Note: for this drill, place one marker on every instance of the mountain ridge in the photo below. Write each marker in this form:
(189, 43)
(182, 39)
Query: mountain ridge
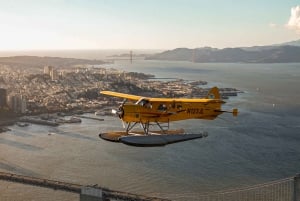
(36, 61)
(256, 54)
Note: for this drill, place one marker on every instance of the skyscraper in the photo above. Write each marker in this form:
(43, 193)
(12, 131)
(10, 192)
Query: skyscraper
(48, 69)
(3, 95)
(17, 103)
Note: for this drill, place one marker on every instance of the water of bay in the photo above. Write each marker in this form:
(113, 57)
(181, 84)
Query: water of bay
(260, 145)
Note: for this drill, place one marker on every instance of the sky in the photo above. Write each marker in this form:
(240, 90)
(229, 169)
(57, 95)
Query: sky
(146, 24)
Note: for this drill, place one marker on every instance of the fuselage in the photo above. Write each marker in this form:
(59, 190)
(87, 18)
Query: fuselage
(175, 110)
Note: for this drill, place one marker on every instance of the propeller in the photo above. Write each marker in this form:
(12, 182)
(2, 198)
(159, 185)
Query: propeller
(120, 112)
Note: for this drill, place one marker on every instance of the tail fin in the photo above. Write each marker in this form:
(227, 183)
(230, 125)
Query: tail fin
(213, 93)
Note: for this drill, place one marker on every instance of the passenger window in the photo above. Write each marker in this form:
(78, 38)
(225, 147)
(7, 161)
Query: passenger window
(179, 107)
(162, 107)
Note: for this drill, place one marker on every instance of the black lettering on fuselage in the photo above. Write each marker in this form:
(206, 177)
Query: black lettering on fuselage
(194, 111)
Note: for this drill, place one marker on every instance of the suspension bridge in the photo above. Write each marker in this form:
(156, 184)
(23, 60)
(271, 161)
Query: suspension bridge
(287, 189)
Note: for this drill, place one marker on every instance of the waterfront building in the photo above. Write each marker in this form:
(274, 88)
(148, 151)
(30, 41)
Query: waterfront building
(17, 103)
(3, 95)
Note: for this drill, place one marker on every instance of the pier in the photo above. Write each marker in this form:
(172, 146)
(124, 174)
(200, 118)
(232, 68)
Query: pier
(38, 121)
(93, 118)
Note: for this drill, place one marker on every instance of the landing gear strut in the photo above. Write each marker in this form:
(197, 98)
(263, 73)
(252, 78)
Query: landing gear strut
(145, 126)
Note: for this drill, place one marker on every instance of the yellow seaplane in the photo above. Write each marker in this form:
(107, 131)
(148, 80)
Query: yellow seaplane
(149, 112)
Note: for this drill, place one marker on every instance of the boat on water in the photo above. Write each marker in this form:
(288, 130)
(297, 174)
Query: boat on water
(74, 120)
(71, 120)
(100, 113)
(22, 124)
(4, 129)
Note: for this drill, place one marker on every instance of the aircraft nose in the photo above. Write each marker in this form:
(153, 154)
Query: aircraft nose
(119, 112)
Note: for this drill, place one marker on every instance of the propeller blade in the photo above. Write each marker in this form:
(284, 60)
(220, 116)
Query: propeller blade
(124, 101)
(123, 123)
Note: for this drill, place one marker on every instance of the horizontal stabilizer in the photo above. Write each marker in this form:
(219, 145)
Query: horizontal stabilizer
(234, 111)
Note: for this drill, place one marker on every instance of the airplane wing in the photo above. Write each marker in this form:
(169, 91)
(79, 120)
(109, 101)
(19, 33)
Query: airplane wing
(185, 100)
(163, 100)
(213, 95)
(170, 100)
(122, 95)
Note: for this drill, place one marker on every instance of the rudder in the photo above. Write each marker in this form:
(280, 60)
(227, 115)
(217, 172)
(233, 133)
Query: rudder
(213, 93)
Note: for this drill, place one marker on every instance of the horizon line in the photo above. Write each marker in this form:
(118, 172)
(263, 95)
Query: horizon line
(132, 49)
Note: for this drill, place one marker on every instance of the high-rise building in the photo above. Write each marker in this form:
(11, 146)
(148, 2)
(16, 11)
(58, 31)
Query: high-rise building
(54, 74)
(17, 103)
(3, 96)
(48, 69)
(61, 74)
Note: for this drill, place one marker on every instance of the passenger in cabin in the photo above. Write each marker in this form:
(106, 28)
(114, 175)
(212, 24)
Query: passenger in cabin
(162, 108)
(146, 103)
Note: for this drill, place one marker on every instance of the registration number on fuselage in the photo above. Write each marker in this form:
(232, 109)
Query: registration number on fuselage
(194, 111)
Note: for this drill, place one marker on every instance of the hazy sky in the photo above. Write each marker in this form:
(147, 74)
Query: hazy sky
(146, 24)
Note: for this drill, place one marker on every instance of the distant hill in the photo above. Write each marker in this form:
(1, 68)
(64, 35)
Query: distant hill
(291, 43)
(259, 54)
(34, 61)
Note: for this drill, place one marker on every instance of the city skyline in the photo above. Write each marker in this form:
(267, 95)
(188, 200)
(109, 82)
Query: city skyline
(116, 24)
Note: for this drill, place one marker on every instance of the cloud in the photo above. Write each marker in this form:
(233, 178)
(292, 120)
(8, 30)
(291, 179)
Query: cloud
(294, 21)
(273, 25)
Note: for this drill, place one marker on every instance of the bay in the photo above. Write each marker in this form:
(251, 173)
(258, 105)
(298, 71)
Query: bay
(260, 145)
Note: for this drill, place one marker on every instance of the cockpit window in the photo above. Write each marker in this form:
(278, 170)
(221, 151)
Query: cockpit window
(144, 102)
(211, 96)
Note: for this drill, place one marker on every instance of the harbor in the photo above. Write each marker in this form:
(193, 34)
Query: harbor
(53, 120)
